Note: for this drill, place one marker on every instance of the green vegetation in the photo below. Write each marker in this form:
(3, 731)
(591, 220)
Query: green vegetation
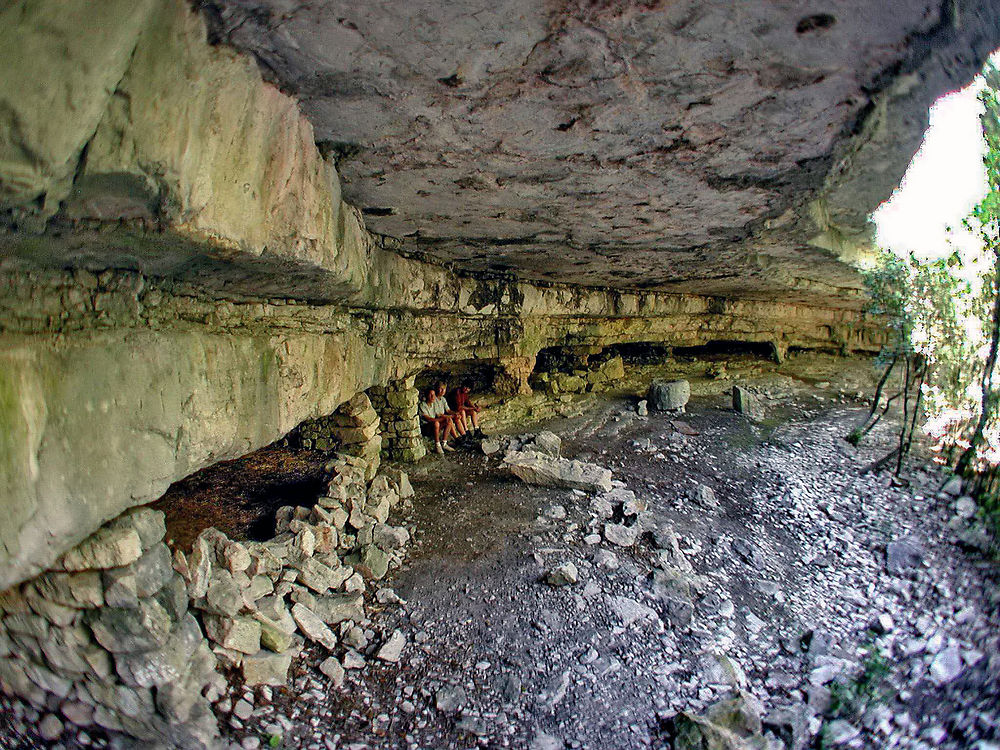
(850, 700)
(941, 353)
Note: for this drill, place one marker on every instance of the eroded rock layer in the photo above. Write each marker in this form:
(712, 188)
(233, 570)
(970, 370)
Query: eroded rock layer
(687, 145)
(181, 281)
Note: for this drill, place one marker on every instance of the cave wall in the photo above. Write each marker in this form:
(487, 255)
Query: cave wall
(181, 282)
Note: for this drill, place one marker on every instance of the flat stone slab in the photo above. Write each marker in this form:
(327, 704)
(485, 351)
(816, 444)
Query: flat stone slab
(546, 471)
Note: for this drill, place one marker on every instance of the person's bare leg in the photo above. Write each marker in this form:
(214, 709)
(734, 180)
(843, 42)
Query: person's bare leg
(437, 436)
(449, 431)
(474, 416)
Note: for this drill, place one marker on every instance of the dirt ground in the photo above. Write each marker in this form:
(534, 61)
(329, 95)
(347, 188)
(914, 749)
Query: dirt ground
(789, 582)
(495, 657)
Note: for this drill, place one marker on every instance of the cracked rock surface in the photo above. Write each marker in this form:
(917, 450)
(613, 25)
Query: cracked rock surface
(779, 595)
(672, 144)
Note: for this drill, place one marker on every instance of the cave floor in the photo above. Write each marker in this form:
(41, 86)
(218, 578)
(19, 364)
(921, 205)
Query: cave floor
(495, 657)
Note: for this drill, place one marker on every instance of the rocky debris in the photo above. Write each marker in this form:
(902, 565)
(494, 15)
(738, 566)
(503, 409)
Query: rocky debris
(253, 607)
(642, 408)
(902, 556)
(731, 724)
(564, 574)
(392, 649)
(107, 635)
(536, 468)
(669, 395)
(747, 404)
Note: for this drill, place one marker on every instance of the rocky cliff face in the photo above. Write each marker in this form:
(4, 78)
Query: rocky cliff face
(182, 280)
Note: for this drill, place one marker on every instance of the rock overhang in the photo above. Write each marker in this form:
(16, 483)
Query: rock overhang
(731, 150)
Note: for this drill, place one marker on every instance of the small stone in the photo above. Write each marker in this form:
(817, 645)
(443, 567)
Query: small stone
(902, 556)
(840, 732)
(946, 666)
(642, 408)
(563, 575)
(621, 535)
(953, 487)
(388, 596)
(235, 557)
(266, 668)
(243, 710)
(333, 669)
(392, 648)
(965, 507)
(354, 660)
(705, 496)
(450, 698)
(50, 728)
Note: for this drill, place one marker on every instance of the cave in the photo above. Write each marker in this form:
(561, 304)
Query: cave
(240, 237)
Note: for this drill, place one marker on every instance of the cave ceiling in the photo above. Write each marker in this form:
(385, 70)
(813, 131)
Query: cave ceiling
(727, 148)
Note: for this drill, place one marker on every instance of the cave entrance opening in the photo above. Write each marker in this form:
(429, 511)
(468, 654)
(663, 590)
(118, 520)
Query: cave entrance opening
(241, 496)
(726, 349)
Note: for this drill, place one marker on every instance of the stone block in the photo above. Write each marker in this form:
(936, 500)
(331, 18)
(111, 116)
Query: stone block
(273, 635)
(668, 395)
(120, 587)
(534, 468)
(390, 537)
(163, 665)
(339, 608)
(82, 590)
(312, 627)
(374, 562)
(747, 404)
(153, 570)
(143, 628)
(149, 524)
(237, 633)
(266, 668)
(223, 596)
(110, 547)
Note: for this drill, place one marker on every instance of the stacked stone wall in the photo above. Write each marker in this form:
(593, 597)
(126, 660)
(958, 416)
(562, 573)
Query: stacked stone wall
(106, 640)
(124, 638)
(397, 404)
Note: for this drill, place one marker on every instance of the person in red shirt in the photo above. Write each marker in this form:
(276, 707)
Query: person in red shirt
(459, 402)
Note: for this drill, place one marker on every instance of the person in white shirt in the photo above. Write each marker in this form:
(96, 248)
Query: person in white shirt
(440, 424)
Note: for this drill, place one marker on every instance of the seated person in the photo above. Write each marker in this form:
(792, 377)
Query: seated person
(457, 417)
(440, 425)
(459, 401)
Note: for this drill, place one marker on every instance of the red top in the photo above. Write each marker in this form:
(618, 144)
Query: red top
(458, 399)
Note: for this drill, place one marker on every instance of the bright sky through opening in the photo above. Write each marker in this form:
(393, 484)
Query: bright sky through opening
(945, 179)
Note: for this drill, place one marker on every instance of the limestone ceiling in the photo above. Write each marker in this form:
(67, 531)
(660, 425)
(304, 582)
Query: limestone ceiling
(720, 147)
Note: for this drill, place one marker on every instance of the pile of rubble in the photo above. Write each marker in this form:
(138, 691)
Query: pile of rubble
(122, 638)
(106, 640)
(260, 602)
